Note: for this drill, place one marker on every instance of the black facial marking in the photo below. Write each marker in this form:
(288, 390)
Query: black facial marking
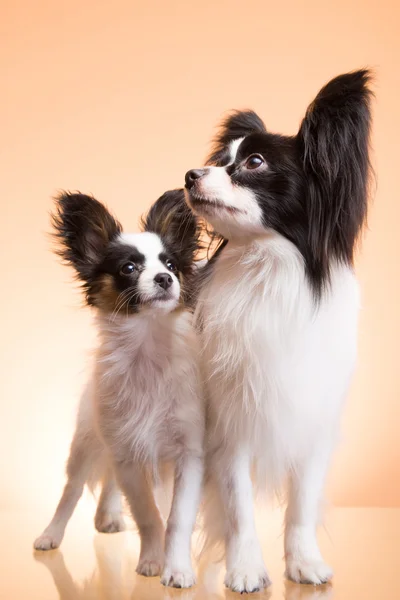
(313, 187)
(170, 261)
(117, 255)
(179, 230)
(110, 269)
(237, 125)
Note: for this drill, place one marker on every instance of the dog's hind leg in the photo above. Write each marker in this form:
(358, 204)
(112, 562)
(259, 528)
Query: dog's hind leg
(79, 467)
(109, 517)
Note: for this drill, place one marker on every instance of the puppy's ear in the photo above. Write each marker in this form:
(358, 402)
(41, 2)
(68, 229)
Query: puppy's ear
(83, 228)
(333, 143)
(171, 219)
(236, 125)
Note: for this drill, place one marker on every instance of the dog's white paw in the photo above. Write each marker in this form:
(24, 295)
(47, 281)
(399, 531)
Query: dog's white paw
(246, 579)
(47, 541)
(148, 567)
(109, 522)
(178, 578)
(315, 572)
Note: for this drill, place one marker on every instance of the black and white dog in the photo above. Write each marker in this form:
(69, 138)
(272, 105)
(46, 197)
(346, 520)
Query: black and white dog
(143, 407)
(278, 312)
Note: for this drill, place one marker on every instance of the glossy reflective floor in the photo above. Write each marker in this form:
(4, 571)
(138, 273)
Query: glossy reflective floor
(362, 545)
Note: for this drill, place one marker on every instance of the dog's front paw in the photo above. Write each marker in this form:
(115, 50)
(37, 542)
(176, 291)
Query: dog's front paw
(47, 541)
(247, 579)
(109, 522)
(148, 567)
(151, 559)
(178, 577)
(315, 572)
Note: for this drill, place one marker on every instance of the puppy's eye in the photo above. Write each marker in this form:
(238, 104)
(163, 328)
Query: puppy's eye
(254, 162)
(127, 269)
(171, 266)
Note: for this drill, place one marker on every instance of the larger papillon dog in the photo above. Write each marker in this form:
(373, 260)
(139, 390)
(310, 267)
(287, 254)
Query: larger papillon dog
(278, 313)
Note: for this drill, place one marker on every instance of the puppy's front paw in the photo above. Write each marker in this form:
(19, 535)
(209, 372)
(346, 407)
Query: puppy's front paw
(148, 567)
(315, 572)
(178, 578)
(109, 522)
(47, 541)
(247, 579)
(151, 559)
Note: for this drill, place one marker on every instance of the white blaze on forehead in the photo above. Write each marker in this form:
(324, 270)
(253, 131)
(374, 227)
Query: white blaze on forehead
(148, 244)
(233, 148)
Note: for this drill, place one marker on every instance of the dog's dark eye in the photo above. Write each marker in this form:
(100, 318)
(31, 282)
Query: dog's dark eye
(171, 265)
(254, 162)
(127, 269)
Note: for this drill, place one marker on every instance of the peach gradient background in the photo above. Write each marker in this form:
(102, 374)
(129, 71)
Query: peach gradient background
(120, 99)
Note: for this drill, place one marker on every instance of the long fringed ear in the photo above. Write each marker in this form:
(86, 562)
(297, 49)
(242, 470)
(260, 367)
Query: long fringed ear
(236, 125)
(333, 142)
(83, 228)
(171, 218)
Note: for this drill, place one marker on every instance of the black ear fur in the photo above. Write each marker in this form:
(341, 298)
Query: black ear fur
(84, 228)
(171, 218)
(237, 124)
(333, 141)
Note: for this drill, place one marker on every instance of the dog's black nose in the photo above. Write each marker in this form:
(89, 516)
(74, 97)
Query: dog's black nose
(192, 176)
(163, 280)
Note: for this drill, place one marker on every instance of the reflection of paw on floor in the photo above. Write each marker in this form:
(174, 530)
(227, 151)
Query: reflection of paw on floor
(66, 586)
(295, 591)
(114, 578)
(106, 577)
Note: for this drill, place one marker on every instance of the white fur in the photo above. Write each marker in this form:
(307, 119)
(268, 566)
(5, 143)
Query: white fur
(277, 368)
(142, 411)
(233, 148)
(150, 245)
(216, 186)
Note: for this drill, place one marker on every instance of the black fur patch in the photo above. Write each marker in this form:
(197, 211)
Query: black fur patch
(171, 219)
(315, 189)
(236, 125)
(84, 229)
(333, 145)
(87, 236)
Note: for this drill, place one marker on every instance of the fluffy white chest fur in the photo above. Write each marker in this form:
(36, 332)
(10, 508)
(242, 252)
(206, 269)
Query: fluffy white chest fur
(147, 387)
(277, 365)
(141, 414)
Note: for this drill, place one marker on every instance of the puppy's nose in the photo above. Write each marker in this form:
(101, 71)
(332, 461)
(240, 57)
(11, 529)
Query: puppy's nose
(192, 176)
(164, 280)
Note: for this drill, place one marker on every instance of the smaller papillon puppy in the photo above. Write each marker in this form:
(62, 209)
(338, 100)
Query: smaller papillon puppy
(142, 410)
